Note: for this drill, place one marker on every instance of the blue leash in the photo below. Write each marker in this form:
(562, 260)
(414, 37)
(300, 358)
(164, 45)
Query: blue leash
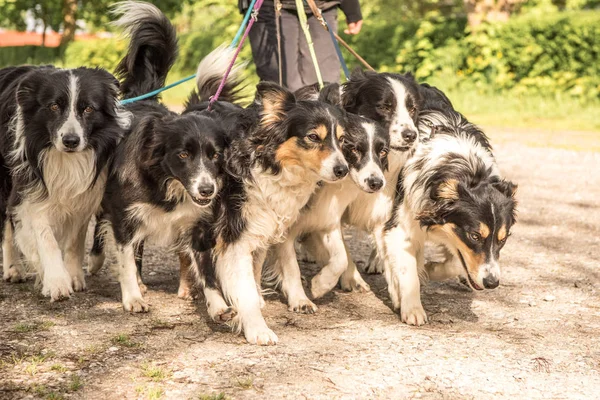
(337, 50)
(234, 43)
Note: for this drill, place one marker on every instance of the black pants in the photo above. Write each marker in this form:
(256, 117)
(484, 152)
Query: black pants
(298, 68)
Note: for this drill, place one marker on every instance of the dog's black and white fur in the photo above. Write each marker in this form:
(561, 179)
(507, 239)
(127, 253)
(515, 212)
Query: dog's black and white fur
(58, 129)
(168, 171)
(393, 101)
(366, 147)
(450, 193)
(286, 148)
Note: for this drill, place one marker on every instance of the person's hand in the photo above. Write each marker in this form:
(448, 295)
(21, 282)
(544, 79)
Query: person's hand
(353, 28)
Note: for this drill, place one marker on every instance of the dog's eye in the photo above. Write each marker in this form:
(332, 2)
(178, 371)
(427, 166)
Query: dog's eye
(342, 139)
(475, 236)
(314, 137)
(355, 151)
(183, 155)
(412, 111)
(54, 107)
(385, 107)
(216, 156)
(383, 153)
(88, 110)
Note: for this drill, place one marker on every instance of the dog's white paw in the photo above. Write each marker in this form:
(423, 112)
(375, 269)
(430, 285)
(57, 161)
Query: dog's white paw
(302, 305)
(58, 287)
(223, 314)
(412, 313)
(135, 304)
(354, 283)
(13, 274)
(260, 335)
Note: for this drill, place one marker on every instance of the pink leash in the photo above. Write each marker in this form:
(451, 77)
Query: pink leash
(253, 19)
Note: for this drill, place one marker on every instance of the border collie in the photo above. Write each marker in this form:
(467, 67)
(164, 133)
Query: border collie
(450, 193)
(58, 129)
(286, 147)
(437, 114)
(168, 172)
(393, 101)
(366, 148)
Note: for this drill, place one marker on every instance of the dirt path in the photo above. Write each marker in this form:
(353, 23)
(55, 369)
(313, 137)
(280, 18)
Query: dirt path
(536, 336)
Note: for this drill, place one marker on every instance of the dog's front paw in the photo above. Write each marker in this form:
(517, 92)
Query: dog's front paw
(260, 335)
(223, 315)
(58, 288)
(302, 305)
(135, 304)
(13, 274)
(412, 313)
(184, 292)
(354, 283)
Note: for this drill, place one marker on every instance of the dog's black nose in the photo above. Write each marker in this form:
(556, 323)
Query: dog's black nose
(71, 141)
(409, 135)
(206, 190)
(490, 282)
(375, 183)
(340, 171)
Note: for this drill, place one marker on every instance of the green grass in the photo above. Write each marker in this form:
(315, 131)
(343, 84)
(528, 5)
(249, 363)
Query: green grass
(58, 368)
(124, 340)
(220, 396)
(75, 384)
(543, 113)
(35, 326)
(155, 393)
(245, 383)
(154, 372)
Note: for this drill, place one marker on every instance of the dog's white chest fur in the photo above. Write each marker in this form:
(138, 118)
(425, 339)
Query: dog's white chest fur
(327, 206)
(273, 204)
(371, 209)
(70, 198)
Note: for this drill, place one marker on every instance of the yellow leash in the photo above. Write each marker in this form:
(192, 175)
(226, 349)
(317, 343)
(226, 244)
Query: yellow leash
(311, 46)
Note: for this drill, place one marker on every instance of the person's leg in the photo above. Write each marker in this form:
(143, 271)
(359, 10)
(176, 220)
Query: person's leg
(263, 41)
(291, 35)
(329, 64)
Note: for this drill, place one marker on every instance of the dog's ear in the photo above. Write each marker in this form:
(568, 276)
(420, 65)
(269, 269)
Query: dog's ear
(151, 152)
(506, 187)
(274, 100)
(28, 89)
(331, 94)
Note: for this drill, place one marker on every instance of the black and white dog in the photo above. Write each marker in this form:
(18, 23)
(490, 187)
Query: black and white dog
(449, 193)
(366, 148)
(394, 102)
(168, 171)
(58, 129)
(284, 147)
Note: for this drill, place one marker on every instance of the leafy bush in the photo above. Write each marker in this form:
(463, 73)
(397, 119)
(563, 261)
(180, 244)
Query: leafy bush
(547, 54)
(27, 55)
(105, 53)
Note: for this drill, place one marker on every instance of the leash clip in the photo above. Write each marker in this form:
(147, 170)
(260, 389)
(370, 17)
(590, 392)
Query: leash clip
(254, 15)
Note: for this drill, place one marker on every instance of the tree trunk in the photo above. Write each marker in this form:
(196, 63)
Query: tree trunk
(69, 22)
